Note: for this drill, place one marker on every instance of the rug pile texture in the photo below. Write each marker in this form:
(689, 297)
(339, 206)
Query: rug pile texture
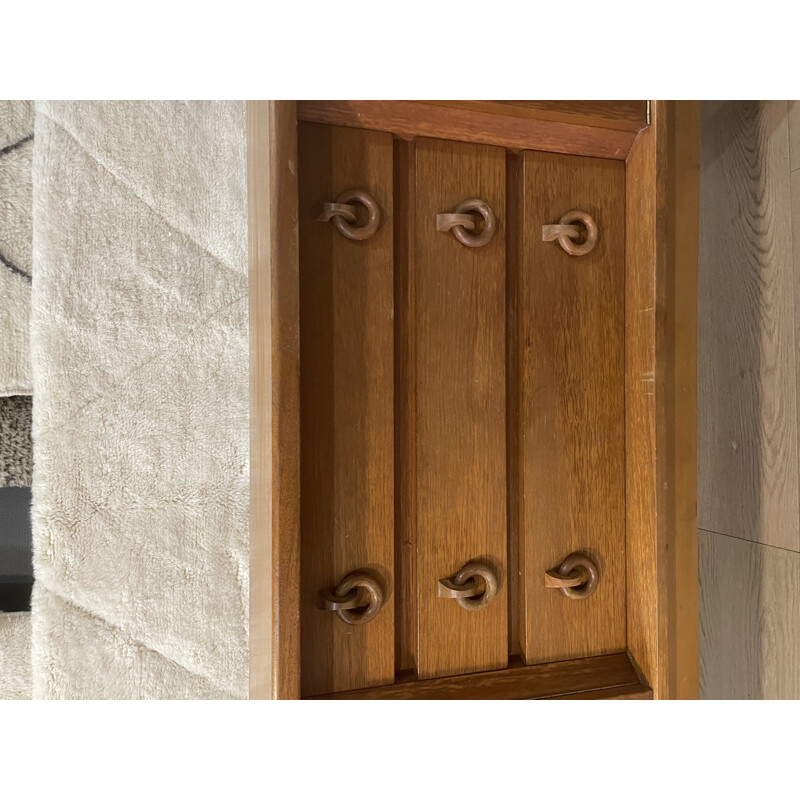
(139, 344)
(16, 154)
(16, 151)
(15, 656)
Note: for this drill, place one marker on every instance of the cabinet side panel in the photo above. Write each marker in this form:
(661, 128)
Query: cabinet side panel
(644, 624)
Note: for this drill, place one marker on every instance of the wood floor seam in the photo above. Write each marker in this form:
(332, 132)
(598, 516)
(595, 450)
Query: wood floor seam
(749, 541)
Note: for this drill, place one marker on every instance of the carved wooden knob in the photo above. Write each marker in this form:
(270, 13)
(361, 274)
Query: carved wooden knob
(461, 220)
(577, 577)
(564, 233)
(346, 598)
(345, 216)
(465, 587)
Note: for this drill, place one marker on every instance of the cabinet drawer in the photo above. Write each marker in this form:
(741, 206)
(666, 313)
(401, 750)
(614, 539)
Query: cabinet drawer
(476, 399)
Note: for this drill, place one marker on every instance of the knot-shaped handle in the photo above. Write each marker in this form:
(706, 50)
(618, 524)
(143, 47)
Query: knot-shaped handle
(466, 590)
(564, 233)
(577, 577)
(346, 598)
(345, 216)
(462, 220)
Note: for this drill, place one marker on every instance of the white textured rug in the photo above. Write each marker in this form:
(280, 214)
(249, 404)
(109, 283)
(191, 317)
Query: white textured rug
(15, 656)
(140, 427)
(16, 149)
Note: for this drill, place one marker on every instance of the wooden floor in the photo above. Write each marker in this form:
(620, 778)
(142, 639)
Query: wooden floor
(748, 474)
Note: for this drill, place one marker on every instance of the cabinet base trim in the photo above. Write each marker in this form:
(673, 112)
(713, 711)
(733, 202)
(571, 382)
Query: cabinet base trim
(601, 677)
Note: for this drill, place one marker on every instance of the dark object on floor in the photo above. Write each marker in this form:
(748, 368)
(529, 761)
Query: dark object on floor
(16, 554)
(15, 532)
(16, 447)
(15, 594)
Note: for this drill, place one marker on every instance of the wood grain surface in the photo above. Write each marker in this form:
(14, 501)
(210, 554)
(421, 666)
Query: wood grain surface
(749, 620)
(621, 115)
(406, 607)
(749, 608)
(285, 312)
(571, 407)
(646, 225)
(455, 410)
(459, 418)
(636, 691)
(516, 622)
(347, 400)
(258, 191)
(679, 415)
(516, 128)
(747, 425)
(601, 677)
(794, 134)
(660, 399)
(274, 400)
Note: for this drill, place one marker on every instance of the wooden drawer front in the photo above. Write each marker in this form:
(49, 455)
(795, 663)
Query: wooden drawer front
(459, 421)
(571, 407)
(434, 404)
(347, 397)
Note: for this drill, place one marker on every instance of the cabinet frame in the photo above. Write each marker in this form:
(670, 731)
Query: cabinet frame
(662, 215)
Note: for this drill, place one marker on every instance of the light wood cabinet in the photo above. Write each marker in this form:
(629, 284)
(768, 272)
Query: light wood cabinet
(447, 403)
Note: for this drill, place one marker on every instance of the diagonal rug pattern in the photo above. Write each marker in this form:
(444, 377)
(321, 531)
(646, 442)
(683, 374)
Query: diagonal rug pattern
(16, 151)
(139, 344)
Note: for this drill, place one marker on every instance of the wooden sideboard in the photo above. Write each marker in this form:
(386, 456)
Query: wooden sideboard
(457, 387)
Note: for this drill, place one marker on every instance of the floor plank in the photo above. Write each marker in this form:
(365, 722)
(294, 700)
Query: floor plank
(747, 424)
(794, 134)
(749, 620)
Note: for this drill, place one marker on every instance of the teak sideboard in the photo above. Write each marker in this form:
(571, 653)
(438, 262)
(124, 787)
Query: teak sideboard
(473, 399)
